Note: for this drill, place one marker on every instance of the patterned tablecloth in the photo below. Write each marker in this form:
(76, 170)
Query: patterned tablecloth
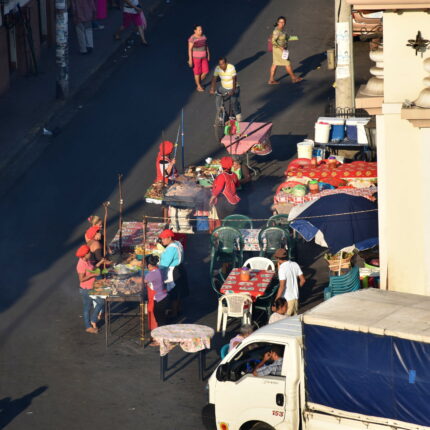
(256, 286)
(190, 337)
(132, 233)
(258, 142)
(283, 197)
(250, 239)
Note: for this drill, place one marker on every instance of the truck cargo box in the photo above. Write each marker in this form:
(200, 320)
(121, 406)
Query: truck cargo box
(367, 353)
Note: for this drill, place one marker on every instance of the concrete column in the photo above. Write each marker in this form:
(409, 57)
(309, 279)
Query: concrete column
(425, 147)
(345, 91)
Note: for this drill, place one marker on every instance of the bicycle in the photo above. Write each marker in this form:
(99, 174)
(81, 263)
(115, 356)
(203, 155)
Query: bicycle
(222, 115)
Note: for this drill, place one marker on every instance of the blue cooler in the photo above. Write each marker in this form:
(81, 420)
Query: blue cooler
(337, 132)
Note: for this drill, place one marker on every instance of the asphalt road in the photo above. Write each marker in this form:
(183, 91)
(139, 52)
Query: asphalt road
(55, 376)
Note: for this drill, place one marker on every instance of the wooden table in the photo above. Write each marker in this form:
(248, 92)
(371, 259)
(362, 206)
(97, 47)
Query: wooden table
(191, 338)
(116, 292)
(256, 286)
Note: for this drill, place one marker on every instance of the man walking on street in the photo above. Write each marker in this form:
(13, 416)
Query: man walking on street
(289, 272)
(84, 12)
(229, 86)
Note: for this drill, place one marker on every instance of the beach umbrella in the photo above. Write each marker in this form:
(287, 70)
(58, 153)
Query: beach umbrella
(338, 221)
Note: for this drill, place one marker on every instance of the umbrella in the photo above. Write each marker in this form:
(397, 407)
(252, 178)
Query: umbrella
(339, 221)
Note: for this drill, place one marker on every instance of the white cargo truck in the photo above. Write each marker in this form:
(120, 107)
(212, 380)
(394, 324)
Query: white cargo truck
(357, 361)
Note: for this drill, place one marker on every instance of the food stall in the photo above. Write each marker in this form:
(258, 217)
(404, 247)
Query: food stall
(307, 180)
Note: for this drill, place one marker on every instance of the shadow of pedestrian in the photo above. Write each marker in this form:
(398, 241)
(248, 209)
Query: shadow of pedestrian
(243, 64)
(10, 409)
(310, 63)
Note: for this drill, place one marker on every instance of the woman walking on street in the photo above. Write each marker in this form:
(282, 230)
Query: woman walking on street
(198, 56)
(132, 14)
(280, 52)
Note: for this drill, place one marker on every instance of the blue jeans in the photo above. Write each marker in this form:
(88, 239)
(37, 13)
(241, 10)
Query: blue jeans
(87, 301)
(235, 100)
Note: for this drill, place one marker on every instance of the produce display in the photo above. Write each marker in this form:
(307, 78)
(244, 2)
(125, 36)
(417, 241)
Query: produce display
(262, 148)
(155, 193)
(117, 287)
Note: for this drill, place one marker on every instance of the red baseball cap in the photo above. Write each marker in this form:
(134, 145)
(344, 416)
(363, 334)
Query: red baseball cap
(82, 251)
(166, 233)
(226, 162)
(92, 231)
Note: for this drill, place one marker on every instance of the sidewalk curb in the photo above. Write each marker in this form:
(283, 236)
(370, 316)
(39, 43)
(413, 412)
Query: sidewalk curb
(62, 111)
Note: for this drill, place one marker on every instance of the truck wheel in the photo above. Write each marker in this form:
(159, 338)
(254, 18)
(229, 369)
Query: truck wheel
(262, 426)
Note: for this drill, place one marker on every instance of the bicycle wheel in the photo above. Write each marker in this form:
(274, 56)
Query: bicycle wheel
(219, 124)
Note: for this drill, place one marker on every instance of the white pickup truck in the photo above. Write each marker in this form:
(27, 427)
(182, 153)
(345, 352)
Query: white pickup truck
(357, 361)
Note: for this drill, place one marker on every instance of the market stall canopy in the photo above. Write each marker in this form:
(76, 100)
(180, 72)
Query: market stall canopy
(338, 221)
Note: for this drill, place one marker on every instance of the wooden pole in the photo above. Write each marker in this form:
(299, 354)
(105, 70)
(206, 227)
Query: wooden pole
(182, 141)
(105, 204)
(121, 203)
(143, 304)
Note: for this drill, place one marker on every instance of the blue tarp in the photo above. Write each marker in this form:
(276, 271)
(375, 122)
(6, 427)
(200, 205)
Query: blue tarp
(367, 374)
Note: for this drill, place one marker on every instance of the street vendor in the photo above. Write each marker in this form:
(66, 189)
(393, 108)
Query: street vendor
(164, 165)
(94, 238)
(158, 300)
(241, 170)
(94, 220)
(87, 277)
(224, 195)
(171, 261)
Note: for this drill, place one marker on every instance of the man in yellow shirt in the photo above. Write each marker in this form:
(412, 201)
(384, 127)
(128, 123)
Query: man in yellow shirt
(229, 86)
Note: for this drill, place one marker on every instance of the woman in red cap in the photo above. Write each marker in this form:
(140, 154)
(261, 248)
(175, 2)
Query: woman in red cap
(86, 281)
(224, 195)
(164, 166)
(171, 261)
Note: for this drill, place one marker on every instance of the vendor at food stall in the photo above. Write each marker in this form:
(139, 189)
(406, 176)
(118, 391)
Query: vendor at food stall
(94, 220)
(158, 299)
(224, 195)
(171, 261)
(164, 165)
(241, 170)
(94, 238)
(87, 277)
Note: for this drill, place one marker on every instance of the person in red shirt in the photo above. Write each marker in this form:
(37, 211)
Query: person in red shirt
(86, 281)
(224, 195)
(164, 166)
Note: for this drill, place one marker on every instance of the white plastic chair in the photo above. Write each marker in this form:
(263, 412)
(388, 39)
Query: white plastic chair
(234, 306)
(259, 263)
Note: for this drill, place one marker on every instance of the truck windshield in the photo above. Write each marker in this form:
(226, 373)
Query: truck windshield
(247, 359)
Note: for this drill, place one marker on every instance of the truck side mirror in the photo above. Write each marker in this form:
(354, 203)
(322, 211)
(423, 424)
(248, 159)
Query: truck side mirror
(222, 372)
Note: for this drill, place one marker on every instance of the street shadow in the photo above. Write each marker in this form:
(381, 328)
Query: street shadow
(10, 409)
(310, 63)
(243, 64)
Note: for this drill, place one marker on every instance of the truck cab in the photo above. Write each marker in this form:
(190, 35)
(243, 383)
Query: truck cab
(244, 401)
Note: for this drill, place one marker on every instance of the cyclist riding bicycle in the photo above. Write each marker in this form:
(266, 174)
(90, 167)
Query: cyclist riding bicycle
(228, 86)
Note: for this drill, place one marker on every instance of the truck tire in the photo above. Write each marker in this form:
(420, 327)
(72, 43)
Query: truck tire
(262, 426)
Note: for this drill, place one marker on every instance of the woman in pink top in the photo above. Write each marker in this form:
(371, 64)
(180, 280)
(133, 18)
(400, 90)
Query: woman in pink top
(198, 56)
(86, 282)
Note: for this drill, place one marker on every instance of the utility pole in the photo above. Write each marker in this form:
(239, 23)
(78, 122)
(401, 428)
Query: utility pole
(62, 48)
(345, 91)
